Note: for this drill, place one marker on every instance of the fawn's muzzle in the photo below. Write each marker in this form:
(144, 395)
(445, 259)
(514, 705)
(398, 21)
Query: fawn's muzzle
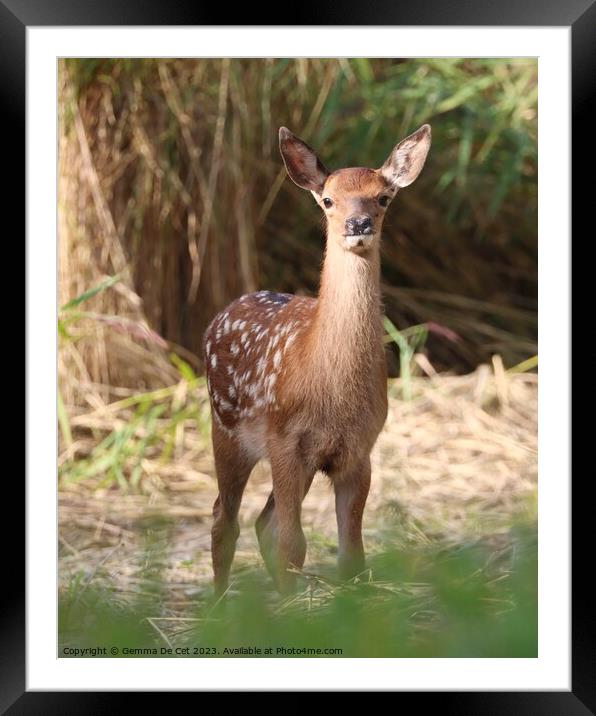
(359, 225)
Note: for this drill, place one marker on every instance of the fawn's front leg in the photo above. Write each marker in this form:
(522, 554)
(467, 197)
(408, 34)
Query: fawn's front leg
(266, 528)
(291, 480)
(351, 491)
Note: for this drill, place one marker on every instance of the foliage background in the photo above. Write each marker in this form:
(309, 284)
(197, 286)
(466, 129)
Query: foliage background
(170, 176)
(173, 200)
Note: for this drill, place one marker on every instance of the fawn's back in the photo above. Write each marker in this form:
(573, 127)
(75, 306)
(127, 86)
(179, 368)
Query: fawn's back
(244, 349)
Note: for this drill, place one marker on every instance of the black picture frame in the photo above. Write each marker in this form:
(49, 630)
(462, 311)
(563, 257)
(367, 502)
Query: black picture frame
(580, 16)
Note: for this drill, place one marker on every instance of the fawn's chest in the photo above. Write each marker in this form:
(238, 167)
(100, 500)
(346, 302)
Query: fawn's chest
(270, 374)
(333, 422)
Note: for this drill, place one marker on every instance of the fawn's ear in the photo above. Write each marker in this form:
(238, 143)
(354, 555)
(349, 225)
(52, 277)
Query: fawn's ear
(302, 163)
(405, 162)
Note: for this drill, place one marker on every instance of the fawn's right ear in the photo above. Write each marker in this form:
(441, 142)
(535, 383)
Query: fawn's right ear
(302, 163)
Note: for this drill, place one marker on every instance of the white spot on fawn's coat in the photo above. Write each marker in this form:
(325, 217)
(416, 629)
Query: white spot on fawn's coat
(290, 340)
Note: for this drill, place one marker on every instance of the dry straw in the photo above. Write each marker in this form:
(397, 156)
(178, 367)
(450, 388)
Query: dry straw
(170, 177)
(457, 462)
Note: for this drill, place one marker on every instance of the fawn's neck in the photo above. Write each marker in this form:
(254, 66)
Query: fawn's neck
(346, 334)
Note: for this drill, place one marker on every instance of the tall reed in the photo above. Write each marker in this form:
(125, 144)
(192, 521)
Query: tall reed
(170, 177)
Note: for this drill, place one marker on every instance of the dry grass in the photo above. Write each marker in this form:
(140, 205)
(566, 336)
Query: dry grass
(457, 462)
(169, 175)
(172, 195)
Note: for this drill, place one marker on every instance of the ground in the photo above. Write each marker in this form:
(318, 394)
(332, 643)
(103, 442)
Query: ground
(454, 466)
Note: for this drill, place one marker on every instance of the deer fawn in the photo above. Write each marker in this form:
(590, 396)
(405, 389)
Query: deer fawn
(303, 381)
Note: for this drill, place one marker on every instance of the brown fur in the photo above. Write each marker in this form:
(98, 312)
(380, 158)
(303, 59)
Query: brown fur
(354, 191)
(303, 381)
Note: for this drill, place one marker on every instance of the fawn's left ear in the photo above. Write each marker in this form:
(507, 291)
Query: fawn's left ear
(302, 163)
(405, 162)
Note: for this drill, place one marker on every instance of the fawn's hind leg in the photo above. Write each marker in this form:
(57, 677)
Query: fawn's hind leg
(233, 467)
(266, 527)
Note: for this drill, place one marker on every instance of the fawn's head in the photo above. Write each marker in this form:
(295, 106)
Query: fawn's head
(355, 199)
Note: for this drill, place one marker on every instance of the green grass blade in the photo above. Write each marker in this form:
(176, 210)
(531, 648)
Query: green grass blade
(91, 292)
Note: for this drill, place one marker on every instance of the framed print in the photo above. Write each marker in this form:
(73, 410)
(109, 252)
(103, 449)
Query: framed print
(413, 503)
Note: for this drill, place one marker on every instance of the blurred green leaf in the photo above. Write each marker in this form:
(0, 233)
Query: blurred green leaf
(466, 600)
(91, 292)
(183, 367)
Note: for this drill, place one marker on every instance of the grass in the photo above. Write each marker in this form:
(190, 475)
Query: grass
(173, 201)
(450, 530)
(408, 342)
(468, 600)
(170, 176)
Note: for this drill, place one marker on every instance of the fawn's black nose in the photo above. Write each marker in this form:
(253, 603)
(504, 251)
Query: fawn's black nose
(359, 224)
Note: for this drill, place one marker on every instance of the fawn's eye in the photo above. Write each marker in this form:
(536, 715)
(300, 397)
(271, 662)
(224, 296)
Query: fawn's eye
(327, 202)
(384, 200)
